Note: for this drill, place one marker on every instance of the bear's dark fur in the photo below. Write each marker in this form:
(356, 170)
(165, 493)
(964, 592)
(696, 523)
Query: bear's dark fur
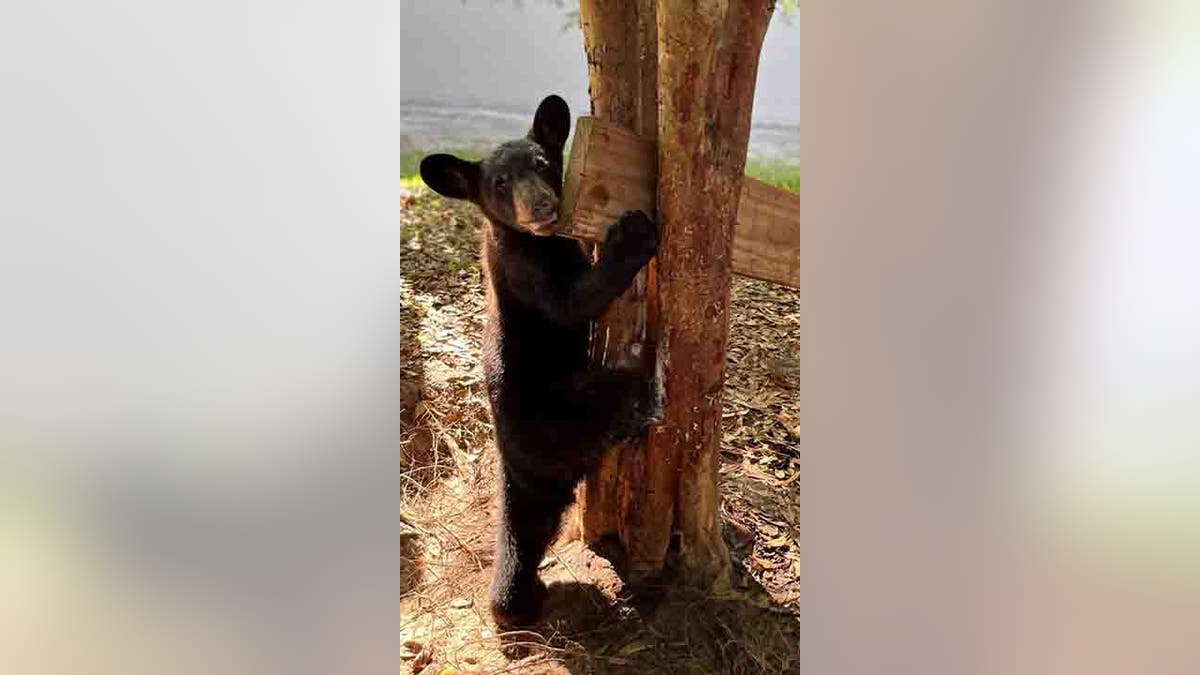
(554, 412)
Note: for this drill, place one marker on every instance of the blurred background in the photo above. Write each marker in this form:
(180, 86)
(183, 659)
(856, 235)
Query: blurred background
(1000, 371)
(198, 401)
(1120, 370)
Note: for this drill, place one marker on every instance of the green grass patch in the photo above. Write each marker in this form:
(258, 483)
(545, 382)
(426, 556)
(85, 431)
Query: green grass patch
(410, 162)
(774, 172)
(781, 174)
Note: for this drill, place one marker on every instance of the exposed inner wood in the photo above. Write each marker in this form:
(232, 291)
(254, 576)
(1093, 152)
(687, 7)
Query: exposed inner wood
(620, 43)
(612, 170)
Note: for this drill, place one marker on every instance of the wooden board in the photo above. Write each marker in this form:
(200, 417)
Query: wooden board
(611, 171)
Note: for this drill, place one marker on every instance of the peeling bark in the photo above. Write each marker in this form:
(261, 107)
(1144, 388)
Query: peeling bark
(619, 39)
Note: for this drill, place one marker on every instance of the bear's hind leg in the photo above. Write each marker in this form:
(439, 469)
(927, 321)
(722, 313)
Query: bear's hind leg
(528, 523)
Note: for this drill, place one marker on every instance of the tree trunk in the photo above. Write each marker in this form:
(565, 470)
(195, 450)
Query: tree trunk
(701, 59)
(707, 65)
(620, 41)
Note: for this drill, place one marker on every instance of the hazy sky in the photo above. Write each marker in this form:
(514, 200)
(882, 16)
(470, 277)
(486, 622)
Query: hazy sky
(496, 53)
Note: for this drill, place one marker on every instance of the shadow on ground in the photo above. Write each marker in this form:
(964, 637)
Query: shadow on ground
(605, 627)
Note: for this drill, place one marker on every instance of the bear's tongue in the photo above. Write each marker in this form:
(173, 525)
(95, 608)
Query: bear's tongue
(544, 227)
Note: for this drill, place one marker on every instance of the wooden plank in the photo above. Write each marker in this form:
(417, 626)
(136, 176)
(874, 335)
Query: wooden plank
(611, 170)
(766, 235)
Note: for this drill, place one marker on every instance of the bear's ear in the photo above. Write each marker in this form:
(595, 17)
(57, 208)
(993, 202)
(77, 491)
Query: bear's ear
(450, 176)
(551, 123)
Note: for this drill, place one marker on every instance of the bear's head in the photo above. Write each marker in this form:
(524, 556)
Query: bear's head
(520, 183)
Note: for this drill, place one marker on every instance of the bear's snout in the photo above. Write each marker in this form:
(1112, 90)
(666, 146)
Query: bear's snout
(544, 208)
(536, 205)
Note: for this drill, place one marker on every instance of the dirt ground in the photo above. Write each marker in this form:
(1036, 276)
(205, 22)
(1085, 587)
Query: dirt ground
(594, 623)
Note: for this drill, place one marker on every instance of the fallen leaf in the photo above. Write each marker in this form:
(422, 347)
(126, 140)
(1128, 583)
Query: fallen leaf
(461, 603)
(632, 648)
(423, 659)
(778, 542)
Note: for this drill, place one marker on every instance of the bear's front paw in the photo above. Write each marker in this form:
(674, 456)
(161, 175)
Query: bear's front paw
(633, 238)
(640, 408)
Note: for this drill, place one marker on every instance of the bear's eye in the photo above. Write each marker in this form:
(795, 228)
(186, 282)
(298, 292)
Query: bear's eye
(501, 183)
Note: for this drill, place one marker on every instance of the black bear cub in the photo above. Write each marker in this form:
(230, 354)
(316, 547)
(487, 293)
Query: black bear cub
(554, 412)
